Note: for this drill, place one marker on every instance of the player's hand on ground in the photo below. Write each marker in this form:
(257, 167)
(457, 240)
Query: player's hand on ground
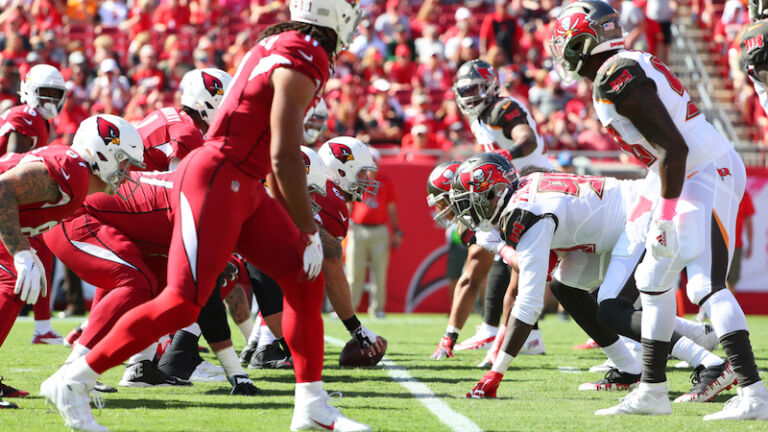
(663, 239)
(487, 386)
(313, 254)
(30, 276)
(370, 343)
(243, 386)
(444, 348)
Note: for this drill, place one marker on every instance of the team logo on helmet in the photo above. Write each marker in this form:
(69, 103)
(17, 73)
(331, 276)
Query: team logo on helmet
(306, 161)
(107, 131)
(342, 152)
(481, 178)
(573, 25)
(443, 180)
(212, 84)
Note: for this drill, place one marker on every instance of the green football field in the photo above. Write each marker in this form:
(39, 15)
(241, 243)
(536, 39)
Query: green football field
(409, 392)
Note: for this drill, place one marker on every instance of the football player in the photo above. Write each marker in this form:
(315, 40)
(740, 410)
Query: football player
(315, 122)
(224, 207)
(651, 115)
(754, 51)
(551, 219)
(41, 187)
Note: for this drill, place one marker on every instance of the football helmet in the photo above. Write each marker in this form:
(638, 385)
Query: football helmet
(438, 188)
(476, 87)
(315, 122)
(317, 174)
(757, 9)
(110, 146)
(341, 16)
(43, 89)
(583, 28)
(349, 161)
(203, 89)
(478, 190)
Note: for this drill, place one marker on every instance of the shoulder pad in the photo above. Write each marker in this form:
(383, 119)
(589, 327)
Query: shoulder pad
(517, 222)
(617, 78)
(753, 45)
(505, 111)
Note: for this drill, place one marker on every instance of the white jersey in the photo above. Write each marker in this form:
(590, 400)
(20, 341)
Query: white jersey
(625, 71)
(488, 129)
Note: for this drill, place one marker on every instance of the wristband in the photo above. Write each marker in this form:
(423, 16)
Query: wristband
(352, 323)
(667, 208)
(508, 254)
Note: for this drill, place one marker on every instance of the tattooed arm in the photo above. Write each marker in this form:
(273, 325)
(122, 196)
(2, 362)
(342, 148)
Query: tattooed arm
(237, 303)
(25, 184)
(336, 284)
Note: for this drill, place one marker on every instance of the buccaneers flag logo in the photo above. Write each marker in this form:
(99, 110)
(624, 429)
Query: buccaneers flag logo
(481, 177)
(107, 131)
(342, 152)
(573, 25)
(212, 84)
(443, 179)
(306, 162)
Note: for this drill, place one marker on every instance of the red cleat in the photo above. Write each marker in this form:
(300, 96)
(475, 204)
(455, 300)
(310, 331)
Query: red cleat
(487, 386)
(10, 392)
(589, 344)
(73, 336)
(50, 338)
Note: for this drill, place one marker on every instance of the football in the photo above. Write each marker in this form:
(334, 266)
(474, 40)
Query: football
(350, 356)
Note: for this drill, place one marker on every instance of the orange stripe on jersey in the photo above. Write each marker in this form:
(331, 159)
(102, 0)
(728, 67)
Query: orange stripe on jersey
(605, 101)
(691, 175)
(722, 228)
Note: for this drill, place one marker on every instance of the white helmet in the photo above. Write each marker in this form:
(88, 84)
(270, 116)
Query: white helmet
(348, 161)
(43, 89)
(341, 16)
(315, 122)
(203, 89)
(317, 174)
(105, 141)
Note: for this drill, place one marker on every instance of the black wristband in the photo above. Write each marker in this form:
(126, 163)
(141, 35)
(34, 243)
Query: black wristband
(352, 323)
(516, 151)
(452, 335)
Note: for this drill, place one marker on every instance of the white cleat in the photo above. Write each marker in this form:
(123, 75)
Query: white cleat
(72, 400)
(640, 401)
(742, 407)
(603, 367)
(318, 414)
(207, 372)
(534, 345)
(482, 339)
(705, 337)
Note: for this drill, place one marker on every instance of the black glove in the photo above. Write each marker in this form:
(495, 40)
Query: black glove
(242, 385)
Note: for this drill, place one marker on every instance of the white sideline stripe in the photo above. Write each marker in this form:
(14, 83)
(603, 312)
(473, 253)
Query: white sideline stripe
(400, 375)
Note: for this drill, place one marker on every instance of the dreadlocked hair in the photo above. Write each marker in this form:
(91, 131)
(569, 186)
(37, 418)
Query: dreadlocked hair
(324, 36)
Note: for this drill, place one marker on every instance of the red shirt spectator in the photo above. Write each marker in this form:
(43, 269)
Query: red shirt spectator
(403, 70)
(171, 16)
(746, 209)
(47, 15)
(375, 213)
(140, 17)
(500, 28)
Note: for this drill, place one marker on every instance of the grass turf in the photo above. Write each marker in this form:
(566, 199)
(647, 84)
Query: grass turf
(534, 396)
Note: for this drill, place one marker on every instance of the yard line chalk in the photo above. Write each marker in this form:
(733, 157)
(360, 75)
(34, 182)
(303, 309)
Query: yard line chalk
(400, 375)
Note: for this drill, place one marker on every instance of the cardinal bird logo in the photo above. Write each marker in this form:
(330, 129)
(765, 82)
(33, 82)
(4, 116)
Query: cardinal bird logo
(342, 152)
(107, 131)
(306, 162)
(212, 84)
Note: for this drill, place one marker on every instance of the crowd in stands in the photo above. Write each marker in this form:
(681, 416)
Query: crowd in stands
(392, 88)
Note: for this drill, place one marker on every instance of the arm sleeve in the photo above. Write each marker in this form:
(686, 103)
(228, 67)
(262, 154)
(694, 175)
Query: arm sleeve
(618, 79)
(533, 261)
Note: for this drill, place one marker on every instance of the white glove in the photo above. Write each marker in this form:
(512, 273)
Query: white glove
(30, 276)
(663, 238)
(313, 255)
(364, 336)
(489, 240)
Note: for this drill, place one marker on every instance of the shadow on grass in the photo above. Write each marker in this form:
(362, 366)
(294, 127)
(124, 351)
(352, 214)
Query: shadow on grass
(243, 404)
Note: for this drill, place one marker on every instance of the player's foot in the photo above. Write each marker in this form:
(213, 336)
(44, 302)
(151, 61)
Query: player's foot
(707, 382)
(742, 407)
(482, 339)
(270, 357)
(316, 413)
(589, 344)
(103, 388)
(73, 336)
(10, 392)
(705, 337)
(486, 387)
(614, 380)
(242, 385)
(534, 345)
(50, 338)
(7, 405)
(207, 372)
(72, 400)
(603, 367)
(247, 353)
(146, 374)
(682, 365)
(642, 401)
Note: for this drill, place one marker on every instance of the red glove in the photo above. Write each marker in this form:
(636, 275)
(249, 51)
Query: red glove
(444, 348)
(486, 387)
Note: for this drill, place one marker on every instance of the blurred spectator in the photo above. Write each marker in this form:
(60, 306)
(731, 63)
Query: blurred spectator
(734, 17)
(14, 49)
(78, 80)
(565, 161)
(50, 50)
(81, 12)
(137, 109)
(204, 14)
(140, 19)
(386, 22)
(345, 121)
(10, 81)
(402, 71)
(433, 74)
(428, 44)
(659, 26)
(206, 54)
(546, 96)
(400, 38)
(110, 87)
(171, 16)
(383, 123)
(146, 76)
(48, 14)
(174, 67)
(112, 13)
(593, 137)
(372, 64)
(67, 122)
(428, 15)
(633, 23)
(265, 11)
(420, 138)
(365, 39)
(743, 223)
(500, 29)
(456, 34)
(102, 49)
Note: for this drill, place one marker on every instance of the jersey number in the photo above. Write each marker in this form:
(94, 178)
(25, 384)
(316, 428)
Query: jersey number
(674, 82)
(571, 185)
(643, 155)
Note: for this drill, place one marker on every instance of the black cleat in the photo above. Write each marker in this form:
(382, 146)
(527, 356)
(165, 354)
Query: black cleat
(103, 388)
(247, 353)
(146, 374)
(270, 357)
(707, 382)
(614, 380)
(6, 404)
(10, 392)
(243, 386)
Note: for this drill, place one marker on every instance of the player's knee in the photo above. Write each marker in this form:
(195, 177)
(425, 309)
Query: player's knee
(527, 310)
(615, 314)
(690, 228)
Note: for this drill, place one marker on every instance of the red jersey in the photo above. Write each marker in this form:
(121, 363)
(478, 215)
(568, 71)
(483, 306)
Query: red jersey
(65, 167)
(377, 212)
(240, 128)
(145, 218)
(168, 133)
(333, 214)
(25, 121)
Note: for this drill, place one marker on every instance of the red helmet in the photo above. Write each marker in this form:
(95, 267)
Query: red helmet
(479, 188)
(438, 188)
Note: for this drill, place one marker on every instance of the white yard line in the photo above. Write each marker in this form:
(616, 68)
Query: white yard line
(455, 421)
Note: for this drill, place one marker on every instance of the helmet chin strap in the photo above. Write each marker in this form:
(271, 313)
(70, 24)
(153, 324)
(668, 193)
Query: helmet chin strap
(582, 57)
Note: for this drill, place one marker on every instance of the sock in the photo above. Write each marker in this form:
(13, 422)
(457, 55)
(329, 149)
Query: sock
(147, 353)
(686, 327)
(308, 390)
(622, 357)
(246, 328)
(84, 325)
(194, 329)
(254, 337)
(660, 387)
(229, 361)
(739, 351)
(265, 336)
(77, 352)
(654, 361)
(686, 349)
(181, 357)
(452, 329)
(80, 371)
(43, 326)
(502, 362)
(487, 329)
(756, 389)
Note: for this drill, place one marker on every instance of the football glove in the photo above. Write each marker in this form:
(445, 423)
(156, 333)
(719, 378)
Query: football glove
(228, 275)
(487, 386)
(368, 340)
(242, 385)
(489, 240)
(30, 276)
(445, 347)
(663, 239)
(313, 254)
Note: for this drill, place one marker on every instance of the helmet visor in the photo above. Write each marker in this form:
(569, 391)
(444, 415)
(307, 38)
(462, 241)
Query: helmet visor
(365, 187)
(442, 210)
(52, 95)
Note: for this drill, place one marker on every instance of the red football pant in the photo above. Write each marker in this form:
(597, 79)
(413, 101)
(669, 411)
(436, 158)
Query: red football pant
(219, 209)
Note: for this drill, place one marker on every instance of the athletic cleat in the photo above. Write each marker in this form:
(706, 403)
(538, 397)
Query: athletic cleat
(603, 367)
(705, 337)
(534, 345)
(682, 365)
(103, 388)
(742, 407)
(146, 374)
(486, 387)
(7, 405)
(707, 382)
(640, 401)
(589, 344)
(482, 339)
(614, 380)
(247, 353)
(50, 338)
(10, 392)
(270, 357)
(242, 385)
(318, 414)
(73, 336)
(207, 372)
(72, 400)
